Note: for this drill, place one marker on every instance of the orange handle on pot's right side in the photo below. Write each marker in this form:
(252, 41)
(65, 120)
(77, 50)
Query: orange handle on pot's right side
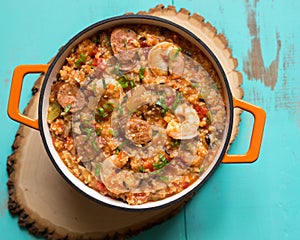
(257, 133)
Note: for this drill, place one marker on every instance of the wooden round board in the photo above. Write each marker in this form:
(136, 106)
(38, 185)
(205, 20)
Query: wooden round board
(41, 197)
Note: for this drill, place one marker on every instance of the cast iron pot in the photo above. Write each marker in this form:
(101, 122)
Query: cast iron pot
(51, 73)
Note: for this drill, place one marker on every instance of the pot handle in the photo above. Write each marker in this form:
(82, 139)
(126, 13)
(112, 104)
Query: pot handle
(15, 93)
(257, 132)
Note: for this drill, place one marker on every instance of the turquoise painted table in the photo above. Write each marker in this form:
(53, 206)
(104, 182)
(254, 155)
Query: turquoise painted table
(252, 201)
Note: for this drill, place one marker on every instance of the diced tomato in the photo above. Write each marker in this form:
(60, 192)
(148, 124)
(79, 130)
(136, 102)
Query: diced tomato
(140, 197)
(122, 154)
(101, 187)
(143, 44)
(184, 185)
(148, 165)
(94, 62)
(110, 87)
(98, 62)
(139, 194)
(201, 111)
(94, 52)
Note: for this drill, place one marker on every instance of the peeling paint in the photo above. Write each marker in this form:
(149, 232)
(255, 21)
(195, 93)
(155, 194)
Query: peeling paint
(288, 60)
(254, 65)
(288, 92)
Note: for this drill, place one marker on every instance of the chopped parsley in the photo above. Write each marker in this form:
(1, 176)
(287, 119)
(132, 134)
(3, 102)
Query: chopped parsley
(102, 112)
(86, 122)
(96, 40)
(112, 132)
(104, 83)
(215, 86)
(142, 73)
(173, 54)
(120, 109)
(142, 169)
(131, 83)
(162, 162)
(209, 117)
(195, 85)
(175, 143)
(117, 69)
(164, 178)
(109, 106)
(116, 86)
(125, 82)
(67, 108)
(177, 101)
(94, 143)
(81, 60)
(163, 112)
(118, 150)
(98, 167)
(177, 52)
(185, 146)
(94, 88)
(98, 131)
(88, 133)
(162, 103)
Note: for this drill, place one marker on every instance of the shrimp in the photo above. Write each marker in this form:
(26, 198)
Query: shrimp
(188, 124)
(166, 58)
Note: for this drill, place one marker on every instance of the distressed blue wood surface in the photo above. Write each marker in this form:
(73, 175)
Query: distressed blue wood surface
(256, 201)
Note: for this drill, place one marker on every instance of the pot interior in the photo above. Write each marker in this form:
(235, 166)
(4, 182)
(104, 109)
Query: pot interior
(51, 77)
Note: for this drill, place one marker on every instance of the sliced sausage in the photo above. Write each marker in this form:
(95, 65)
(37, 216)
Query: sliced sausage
(138, 131)
(69, 96)
(124, 44)
(123, 39)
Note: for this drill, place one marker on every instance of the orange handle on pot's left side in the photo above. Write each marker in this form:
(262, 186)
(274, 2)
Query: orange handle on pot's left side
(15, 93)
(257, 133)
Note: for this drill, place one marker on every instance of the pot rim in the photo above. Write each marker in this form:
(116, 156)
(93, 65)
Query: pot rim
(229, 109)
